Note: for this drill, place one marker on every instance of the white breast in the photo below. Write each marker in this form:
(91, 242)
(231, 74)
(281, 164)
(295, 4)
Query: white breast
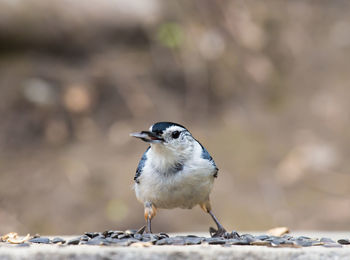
(184, 189)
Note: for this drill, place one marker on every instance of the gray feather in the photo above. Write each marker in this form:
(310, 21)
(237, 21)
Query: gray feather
(205, 155)
(141, 165)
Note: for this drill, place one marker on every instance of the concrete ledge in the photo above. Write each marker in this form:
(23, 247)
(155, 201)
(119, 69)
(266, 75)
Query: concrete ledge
(172, 252)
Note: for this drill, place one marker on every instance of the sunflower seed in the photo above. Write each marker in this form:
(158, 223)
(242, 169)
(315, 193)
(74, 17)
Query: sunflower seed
(138, 236)
(262, 237)
(141, 230)
(74, 241)
(344, 241)
(149, 238)
(304, 243)
(130, 232)
(84, 238)
(248, 237)
(327, 240)
(58, 240)
(121, 236)
(40, 240)
(215, 241)
(162, 242)
(91, 234)
(193, 240)
(97, 241)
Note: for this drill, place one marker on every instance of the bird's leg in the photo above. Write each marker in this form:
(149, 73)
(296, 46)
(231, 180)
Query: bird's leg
(221, 230)
(150, 212)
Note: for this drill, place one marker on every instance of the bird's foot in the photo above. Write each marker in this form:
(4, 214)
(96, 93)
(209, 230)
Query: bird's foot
(221, 232)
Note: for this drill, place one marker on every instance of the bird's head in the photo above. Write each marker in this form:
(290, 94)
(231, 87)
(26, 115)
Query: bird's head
(167, 135)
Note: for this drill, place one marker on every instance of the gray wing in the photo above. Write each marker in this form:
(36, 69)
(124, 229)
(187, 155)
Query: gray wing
(141, 165)
(205, 155)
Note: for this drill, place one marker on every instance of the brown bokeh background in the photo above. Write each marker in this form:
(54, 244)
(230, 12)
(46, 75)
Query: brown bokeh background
(264, 85)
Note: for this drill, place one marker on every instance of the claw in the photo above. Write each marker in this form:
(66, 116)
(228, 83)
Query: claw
(221, 232)
(212, 231)
(233, 234)
(141, 230)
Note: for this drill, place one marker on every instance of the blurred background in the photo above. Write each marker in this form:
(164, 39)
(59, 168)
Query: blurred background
(263, 85)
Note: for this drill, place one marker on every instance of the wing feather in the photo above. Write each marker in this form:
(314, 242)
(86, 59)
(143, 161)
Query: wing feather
(141, 165)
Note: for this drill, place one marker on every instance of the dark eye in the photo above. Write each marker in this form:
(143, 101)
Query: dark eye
(175, 134)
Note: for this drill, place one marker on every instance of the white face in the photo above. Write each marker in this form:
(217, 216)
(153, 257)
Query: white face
(176, 138)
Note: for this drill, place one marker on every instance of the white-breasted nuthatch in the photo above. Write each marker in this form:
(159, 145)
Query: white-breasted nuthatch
(176, 171)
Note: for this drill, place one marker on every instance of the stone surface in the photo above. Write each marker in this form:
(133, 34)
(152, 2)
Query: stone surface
(171, 252)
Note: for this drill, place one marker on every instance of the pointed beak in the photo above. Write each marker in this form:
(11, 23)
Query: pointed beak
(148, 137)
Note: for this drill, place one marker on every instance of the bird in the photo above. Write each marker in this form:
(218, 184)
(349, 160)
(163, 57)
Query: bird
(175, 171)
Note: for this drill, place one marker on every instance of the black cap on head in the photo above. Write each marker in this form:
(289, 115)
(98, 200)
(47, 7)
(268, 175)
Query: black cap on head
(161, 126)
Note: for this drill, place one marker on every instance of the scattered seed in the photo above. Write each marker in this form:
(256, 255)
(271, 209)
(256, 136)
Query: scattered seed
(178, 240)
(84, 238)
(260, 243)
(119, 232)
(10, 235)
(318, 243)
(278, 231)
(138, 236)
(91, 234)
(344, 241)
(97, 241)
(92, 242)
(141, 230)
(109, 233)
(248, 237)
(294, 245)
(278, 241)
(17, 240)
(121, 236)
(74, 241)
(133, 240)
(130, 232)
(58, 240)
(149, 238)
(40, 240)
(193, 240)
(262, 237)
(235, 241)
(303, 237)
(215, 241)
(162, 242)
(114, 235)
(303, 243)
(327, 240)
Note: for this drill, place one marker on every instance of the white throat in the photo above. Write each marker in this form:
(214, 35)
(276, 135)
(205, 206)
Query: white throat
(165, 159)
